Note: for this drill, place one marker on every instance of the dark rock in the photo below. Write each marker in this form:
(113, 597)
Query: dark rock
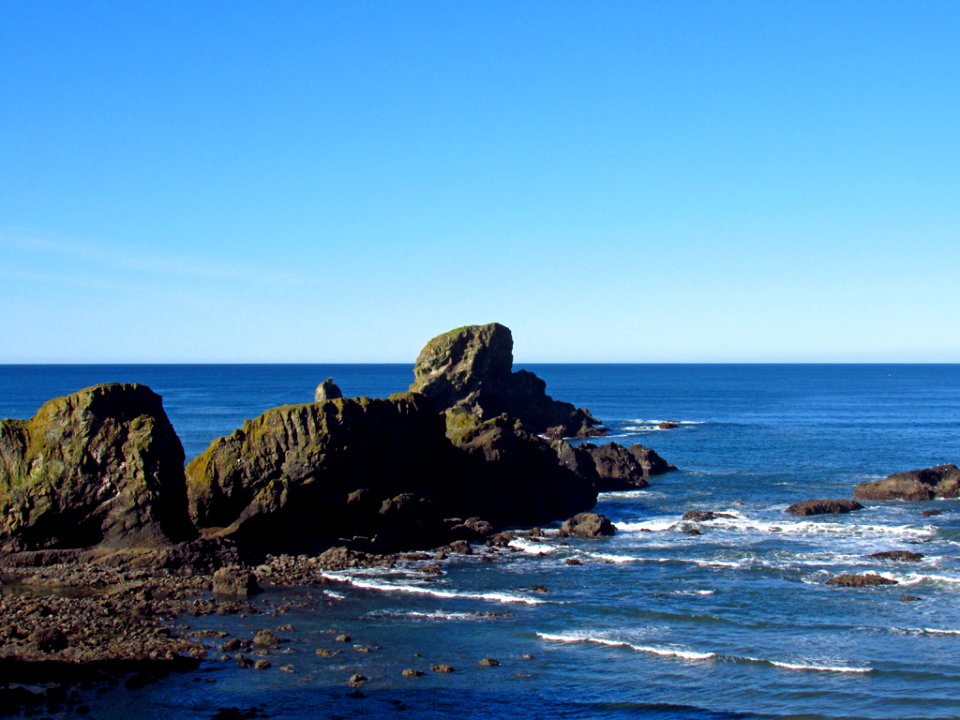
(691, 530)
(572, 561)
(864, 580)
(357, 680)
(910, 598)
(472, 368)
(587, 525)
(704, 515)
(931, 513)
(824, 507)
(668, 425)
(262, 664)
(411, 673)
(102, 466)
(612, 466)
(327, 390)
(489, 662)
(265, 639)
(235, 582)
(442, 668)
(898, 556)
(942, 481)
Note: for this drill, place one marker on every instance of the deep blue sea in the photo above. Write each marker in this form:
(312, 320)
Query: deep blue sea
(654, 623)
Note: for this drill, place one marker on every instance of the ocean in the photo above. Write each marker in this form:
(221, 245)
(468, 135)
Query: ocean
(736, 622)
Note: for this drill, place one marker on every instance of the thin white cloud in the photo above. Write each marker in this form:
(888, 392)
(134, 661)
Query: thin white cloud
(186, 266)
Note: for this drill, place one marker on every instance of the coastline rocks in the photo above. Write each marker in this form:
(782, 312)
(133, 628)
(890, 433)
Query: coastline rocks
(823, 507)
(102, 466)
(703, 515)
(612, 466)
(942, 481)
(327, 390)
(472, 368)
(587, 525)
(864, 580)
(235, 582)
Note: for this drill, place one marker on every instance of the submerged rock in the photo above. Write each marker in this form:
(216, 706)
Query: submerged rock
(942, 481)
(864, 580)
(824, 507)
(472, 368)
(898, 556)
(102, 466)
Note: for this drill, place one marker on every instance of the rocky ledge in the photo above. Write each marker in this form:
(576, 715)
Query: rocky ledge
(942, 481)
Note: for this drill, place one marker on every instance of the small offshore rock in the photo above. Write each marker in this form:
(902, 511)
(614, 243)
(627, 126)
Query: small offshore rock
(288, 668)
(411, 672)
(941, 481)
(704, 515)
(265, 639)
(864, 580)
(910, 598)
(327, 390)
(235, 582)
(587, 525)
(357, 680)
(262, 665)
(898, 556)
(572, 561)
(489, 662)
(323, 652)
(442, 668)
(824, 507)
(343, 638)
(668, 425)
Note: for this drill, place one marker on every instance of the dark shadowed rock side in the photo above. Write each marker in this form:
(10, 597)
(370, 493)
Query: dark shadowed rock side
(824, 507)
(375, 474)
(613, 467)
(472, 368)
(101, 467)
(942, 481)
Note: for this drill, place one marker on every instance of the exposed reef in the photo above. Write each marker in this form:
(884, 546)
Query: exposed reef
(942, 481)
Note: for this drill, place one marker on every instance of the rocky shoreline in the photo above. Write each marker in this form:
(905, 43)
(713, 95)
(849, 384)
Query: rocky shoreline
(106, 538)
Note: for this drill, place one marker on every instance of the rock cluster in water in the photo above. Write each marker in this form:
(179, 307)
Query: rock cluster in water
(471, 449)
(942, 481)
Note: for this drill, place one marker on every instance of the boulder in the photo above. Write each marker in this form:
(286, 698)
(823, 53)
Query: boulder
(704, 515)
(612, 466)
(824, 507)
(327, 390)
(668, 425)
(942, 481)
(587, 525)
(235, 582)
(472, 368)
(864, 580)
(100, 467)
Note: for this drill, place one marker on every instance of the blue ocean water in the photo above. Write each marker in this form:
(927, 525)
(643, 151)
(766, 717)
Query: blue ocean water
(654, 622)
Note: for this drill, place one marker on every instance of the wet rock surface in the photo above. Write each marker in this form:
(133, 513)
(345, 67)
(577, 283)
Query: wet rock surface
(824, 507)
(587, 525)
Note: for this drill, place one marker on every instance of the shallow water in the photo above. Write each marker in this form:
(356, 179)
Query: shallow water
(735, 622)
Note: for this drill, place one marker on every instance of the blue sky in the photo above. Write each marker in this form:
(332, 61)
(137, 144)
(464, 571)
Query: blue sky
(624, 182)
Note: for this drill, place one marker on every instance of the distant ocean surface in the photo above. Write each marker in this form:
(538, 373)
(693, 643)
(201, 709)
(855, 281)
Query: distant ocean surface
(654, 622)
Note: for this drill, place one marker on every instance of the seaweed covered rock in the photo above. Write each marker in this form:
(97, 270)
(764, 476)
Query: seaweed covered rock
(102, 466)
(472, 367)
(942, 481)
(612, 466)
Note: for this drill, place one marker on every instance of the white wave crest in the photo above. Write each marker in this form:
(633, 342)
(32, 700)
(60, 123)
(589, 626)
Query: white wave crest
(809, 666)
(532, 547)
(663, 651)
(363, 584)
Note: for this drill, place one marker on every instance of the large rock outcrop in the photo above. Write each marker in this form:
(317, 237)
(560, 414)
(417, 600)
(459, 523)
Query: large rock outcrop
(942, 481)
(375, 474)
(102, 466)
(823, 507)
(472, 368)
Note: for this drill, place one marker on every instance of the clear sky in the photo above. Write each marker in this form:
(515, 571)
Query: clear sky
(616, 181)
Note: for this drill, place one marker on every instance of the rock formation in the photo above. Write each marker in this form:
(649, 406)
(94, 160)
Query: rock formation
(472, 368)
(942, 481)
(327, 390)
(102, 466)
(614, 467)
(823, 507)
(587, 525)
(375, 474)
